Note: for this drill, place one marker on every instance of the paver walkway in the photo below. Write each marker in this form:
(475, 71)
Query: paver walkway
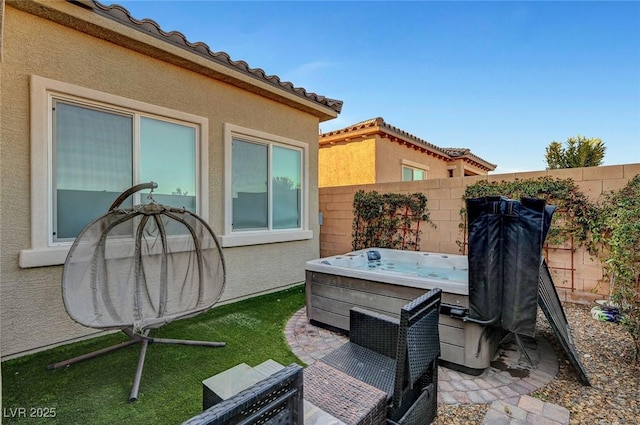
(501, 385)
(528, 410)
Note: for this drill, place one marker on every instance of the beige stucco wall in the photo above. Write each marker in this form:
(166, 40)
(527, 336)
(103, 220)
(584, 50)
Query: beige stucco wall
(389, 157)
(461, 168)
(348, 163)
(32, 313)
(445, 202)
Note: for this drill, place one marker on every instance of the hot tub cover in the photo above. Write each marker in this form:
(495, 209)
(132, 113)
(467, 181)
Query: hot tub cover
(506, 238)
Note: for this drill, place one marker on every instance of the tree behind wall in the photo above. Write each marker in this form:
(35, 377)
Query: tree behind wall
(579, 152)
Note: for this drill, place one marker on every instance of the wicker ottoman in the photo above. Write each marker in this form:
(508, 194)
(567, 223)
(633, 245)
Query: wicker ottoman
(346, 398)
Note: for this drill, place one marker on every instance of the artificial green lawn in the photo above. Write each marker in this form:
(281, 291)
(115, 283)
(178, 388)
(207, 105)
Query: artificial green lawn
(96, 391)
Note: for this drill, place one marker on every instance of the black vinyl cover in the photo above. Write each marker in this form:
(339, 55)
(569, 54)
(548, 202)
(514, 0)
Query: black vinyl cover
(484, 223)
(505, 252)
(524, 231)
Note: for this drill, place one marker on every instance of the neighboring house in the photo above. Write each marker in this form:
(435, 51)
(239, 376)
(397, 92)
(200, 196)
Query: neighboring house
(94, 101)
(373, 151)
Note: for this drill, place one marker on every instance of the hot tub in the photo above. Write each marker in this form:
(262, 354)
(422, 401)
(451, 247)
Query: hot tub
(384, 280)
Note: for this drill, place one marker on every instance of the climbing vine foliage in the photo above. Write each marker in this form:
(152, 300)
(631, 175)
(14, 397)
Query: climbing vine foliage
(618, 239)
(388, 220)
(574, 216)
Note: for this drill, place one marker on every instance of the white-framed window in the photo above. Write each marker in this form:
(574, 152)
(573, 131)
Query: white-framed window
(266, 188)
(88, 146)
(413, 171)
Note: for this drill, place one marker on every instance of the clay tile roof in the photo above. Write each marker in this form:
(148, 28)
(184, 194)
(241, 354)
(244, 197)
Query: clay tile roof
(465, 153)
(379, 122)
(455, 152)
(176, 38)
(387, 128)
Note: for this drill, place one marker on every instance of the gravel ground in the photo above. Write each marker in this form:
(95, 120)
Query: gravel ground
(606, 351)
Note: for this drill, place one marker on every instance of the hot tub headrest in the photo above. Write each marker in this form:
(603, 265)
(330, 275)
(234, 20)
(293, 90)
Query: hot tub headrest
(373, 255)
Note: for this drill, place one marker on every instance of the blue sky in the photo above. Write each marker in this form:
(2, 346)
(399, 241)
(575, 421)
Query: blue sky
(504, 79)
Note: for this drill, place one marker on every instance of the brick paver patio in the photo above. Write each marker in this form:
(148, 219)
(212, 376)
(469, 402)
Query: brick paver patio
(505, 385)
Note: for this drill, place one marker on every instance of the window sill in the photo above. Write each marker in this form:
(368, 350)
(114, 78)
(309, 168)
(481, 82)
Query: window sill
(258, 238)
(114, 249)
(42, 257)
(57, 255)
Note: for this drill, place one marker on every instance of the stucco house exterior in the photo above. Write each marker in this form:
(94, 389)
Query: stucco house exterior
(374, 151)
(94, 101)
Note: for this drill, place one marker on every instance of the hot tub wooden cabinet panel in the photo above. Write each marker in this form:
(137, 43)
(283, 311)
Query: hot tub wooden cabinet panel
(330, 297)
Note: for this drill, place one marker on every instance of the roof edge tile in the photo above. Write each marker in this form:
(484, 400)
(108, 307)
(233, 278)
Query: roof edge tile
(176, 38)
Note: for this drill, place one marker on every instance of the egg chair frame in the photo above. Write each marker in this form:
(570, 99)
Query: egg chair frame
(144, 299)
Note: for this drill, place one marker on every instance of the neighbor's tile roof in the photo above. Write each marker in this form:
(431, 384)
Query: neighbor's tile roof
(466, 153)
(379, 122)
(148, 26)
(457, 151)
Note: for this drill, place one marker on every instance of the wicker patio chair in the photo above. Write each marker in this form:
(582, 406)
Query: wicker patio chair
(276, 400)
(398, 357)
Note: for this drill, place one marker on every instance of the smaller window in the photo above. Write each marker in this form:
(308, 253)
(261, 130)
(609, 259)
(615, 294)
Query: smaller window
(411, 173)
(266, 189)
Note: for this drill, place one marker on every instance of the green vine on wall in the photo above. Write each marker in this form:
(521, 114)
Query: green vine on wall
(617, 237)
(575, 214)
(389, 220)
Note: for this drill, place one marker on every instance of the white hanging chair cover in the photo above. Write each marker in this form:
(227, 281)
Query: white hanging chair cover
(142, 268)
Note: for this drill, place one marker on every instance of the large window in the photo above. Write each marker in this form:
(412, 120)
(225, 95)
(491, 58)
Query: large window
(93, 162)
(266, 191)
(88, 147)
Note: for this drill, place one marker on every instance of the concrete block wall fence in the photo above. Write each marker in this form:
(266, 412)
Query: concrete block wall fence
(577, 275)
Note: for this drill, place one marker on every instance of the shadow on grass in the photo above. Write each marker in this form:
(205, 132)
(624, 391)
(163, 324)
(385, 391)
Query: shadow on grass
(96, 391)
